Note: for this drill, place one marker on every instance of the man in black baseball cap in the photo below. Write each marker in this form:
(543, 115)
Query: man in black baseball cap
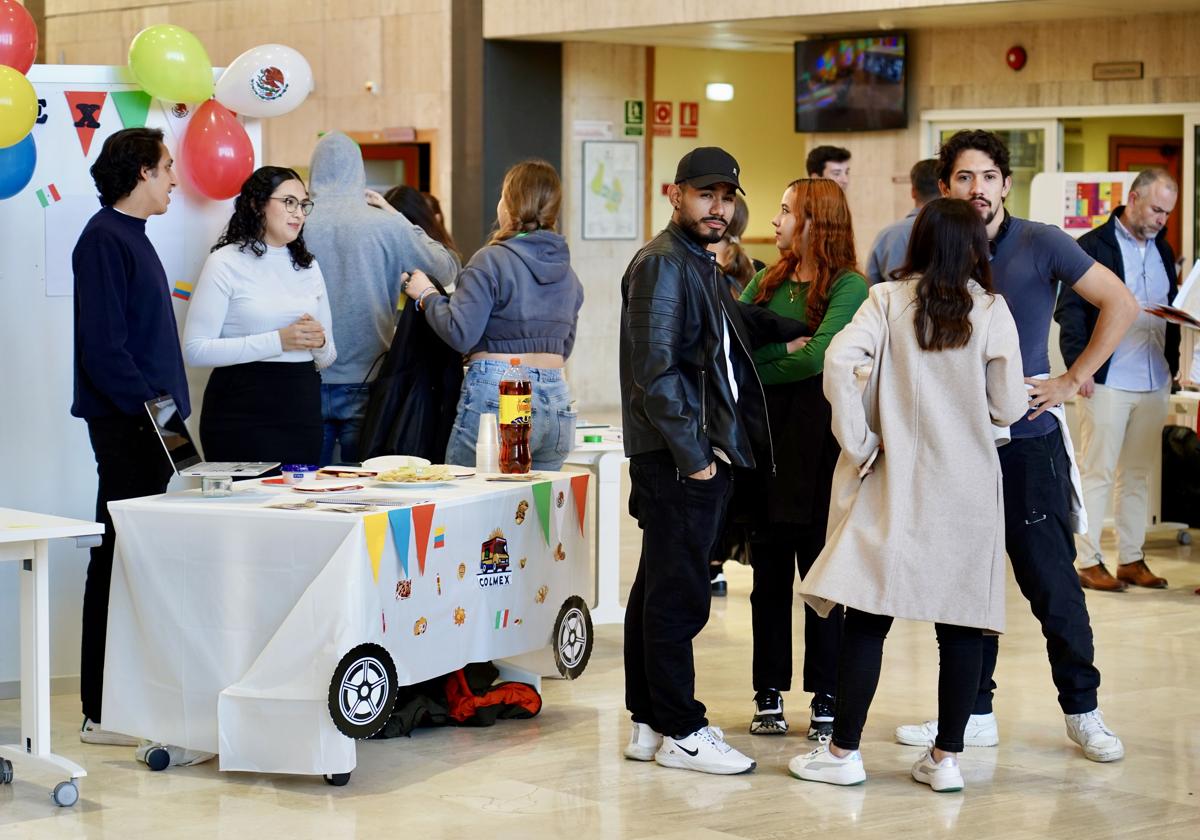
(693, 409)
(707, 166)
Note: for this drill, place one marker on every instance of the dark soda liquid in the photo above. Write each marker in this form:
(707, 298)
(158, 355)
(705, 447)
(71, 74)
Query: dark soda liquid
(515, 456)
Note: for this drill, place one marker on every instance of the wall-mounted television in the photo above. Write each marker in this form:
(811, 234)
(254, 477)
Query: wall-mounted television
(852, 82)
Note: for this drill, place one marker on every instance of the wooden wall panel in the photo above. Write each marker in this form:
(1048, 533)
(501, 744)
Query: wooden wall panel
(403, 46)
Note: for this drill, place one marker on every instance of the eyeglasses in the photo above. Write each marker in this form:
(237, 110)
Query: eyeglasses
(292, 204)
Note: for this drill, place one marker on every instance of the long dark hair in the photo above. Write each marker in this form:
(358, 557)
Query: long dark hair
(417, 209)
(830, 245)
(948, 248)
(248, 222)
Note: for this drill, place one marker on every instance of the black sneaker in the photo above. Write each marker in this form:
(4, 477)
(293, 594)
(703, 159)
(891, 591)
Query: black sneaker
(720, 588)
(768, 714)
(820, 719)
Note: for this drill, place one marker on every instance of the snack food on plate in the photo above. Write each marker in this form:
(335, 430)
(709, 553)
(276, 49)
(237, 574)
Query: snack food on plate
(431, 473)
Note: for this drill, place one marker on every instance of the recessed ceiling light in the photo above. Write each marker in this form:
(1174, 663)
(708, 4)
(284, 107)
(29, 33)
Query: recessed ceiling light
(718, 92)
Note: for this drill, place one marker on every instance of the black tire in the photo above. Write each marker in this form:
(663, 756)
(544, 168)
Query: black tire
(363, 691)
(337, 779)
(573, 637)
(6, 772)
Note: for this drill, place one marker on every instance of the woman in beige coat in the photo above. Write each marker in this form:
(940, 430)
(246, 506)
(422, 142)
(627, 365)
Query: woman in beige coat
(916, 521)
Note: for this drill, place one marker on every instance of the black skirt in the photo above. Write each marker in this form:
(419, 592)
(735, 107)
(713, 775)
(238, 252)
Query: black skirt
(263, 411)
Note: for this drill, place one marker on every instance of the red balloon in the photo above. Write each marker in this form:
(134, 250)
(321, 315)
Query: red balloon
(216, 156)
(18, 36)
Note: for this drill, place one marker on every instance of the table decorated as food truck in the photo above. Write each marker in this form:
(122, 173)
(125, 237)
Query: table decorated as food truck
(273, 626)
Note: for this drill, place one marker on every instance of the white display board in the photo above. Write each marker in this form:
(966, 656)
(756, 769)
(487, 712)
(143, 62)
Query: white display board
(45, 458)
(1077, 201)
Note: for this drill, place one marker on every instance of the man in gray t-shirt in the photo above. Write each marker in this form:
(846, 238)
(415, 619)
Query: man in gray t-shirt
(1028, 262)
(890, 248)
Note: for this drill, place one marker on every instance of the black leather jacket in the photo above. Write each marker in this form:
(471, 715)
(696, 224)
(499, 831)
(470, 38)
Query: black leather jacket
(675, 387)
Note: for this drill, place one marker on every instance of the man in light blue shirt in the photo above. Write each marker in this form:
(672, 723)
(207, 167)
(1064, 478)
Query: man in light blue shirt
(1123, 409)
(891, 245)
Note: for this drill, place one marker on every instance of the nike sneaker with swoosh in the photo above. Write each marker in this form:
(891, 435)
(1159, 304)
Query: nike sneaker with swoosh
(705, 751)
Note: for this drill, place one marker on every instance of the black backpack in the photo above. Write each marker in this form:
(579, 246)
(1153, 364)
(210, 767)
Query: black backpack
(413, 401)
(1180, 476)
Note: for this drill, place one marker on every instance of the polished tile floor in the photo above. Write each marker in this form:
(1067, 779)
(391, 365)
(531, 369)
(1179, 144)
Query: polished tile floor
(562, 775)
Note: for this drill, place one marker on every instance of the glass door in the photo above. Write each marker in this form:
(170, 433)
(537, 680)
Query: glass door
(1034, 146)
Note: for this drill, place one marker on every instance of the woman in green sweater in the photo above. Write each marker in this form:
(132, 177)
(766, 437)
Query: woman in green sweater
(816, 280)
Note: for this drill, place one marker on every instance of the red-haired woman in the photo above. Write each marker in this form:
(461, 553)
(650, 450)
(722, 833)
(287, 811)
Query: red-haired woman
(816, 280)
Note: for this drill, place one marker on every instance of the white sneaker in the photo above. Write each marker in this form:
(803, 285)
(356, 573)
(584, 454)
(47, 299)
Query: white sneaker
(91, 733)
(643, 743)
(161, 756)
(981, 731)
(821, 765)
(943, 776)
(704, 750)
(1098, 741)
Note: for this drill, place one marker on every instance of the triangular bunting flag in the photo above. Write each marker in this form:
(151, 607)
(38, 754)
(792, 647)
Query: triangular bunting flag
(132, 107)
(579, 487)
(541, 501)
(560, 500)
(401, 522)
(422, 517)
(85, 106)
(376, 529)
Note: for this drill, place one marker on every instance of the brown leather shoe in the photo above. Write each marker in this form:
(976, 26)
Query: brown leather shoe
(1139, 574)
(1099, 578)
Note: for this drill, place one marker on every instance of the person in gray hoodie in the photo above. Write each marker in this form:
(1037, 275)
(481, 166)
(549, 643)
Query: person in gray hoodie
(517, 297)
(362, 251)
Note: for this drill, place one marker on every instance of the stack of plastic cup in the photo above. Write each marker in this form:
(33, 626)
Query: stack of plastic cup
(487, 445)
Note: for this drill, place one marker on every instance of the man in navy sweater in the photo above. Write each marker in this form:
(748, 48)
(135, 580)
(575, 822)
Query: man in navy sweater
(126, 352)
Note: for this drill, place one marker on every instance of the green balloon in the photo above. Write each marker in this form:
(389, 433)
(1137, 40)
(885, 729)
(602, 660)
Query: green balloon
(170, 63)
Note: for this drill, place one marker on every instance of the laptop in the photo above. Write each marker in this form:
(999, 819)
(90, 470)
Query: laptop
(182, 452)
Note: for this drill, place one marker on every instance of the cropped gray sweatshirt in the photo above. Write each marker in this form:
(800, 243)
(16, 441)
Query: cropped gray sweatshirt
(518, 296)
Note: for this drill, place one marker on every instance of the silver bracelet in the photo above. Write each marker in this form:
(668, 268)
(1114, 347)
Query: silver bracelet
(421, 297)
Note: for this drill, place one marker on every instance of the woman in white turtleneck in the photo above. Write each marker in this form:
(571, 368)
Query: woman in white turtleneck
(260, 318)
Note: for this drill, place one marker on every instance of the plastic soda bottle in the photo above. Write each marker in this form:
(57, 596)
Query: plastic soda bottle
(516, 414)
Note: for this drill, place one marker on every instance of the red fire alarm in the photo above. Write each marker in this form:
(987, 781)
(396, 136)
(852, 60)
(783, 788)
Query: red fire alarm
(1016, 57)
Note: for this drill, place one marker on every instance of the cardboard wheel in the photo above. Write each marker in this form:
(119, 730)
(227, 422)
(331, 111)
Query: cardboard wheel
(573, 637)
(362, 691)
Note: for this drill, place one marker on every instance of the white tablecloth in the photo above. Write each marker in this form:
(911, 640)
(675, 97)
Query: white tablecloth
(227, 619)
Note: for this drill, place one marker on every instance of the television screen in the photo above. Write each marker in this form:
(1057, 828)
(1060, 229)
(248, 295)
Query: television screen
(851, 82)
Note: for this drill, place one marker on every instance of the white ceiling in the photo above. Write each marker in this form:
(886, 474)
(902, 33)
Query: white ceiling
(778, 34)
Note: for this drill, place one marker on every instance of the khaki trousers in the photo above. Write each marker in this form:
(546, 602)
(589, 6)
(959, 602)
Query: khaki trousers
(1121, 439)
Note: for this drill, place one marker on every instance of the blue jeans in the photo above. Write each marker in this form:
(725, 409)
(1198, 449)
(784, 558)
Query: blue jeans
(553, 420)
(343, 407)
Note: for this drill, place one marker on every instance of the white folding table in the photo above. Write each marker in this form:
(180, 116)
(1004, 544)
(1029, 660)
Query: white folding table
(24, 537)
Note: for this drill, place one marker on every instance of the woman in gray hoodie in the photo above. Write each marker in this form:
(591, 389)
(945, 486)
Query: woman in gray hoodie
(517, 297)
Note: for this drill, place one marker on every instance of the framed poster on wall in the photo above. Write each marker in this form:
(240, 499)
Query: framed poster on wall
(611, 195)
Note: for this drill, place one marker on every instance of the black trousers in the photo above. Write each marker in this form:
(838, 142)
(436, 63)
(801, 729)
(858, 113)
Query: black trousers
(775, 561)
(1041, 548)
(263, 411)
(130, 462)
(861, 656)
(680, 519)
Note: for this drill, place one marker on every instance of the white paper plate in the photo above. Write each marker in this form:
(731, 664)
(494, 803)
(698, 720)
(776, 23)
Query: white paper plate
(328, 486)
(383, 463)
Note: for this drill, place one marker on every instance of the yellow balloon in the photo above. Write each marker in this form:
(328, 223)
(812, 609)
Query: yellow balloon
(18, 106)
(170, 63)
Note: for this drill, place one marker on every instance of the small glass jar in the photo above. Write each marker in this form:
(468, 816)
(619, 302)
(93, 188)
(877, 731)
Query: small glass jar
(216, 486)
